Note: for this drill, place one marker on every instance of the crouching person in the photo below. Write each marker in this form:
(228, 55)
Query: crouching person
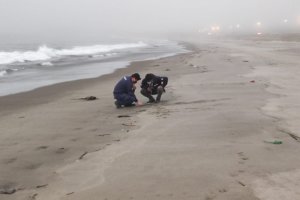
(124, 91)
(153, 85)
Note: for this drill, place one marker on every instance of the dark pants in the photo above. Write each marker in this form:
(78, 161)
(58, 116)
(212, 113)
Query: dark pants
(124, 99)
(159, 90)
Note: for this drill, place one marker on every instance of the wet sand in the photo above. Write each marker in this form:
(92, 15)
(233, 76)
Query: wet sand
(207, 139)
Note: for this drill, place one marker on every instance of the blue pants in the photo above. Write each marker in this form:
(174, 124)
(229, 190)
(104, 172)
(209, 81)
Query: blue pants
(124, 99)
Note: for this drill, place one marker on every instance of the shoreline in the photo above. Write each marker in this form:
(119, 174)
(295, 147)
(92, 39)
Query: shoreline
(48, 93)
(28, 78)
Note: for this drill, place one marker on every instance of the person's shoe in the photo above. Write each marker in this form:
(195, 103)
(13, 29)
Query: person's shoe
(118, 105)
(151, 101)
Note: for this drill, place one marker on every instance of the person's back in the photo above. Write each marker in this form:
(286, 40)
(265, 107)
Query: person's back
(160, 81)
(123, 86)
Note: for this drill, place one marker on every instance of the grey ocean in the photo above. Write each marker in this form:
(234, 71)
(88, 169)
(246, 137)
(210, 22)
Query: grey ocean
(26, 67)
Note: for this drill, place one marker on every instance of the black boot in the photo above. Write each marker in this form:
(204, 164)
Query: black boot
(145, 93)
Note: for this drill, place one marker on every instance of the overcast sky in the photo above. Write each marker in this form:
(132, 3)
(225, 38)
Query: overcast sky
(65, 17)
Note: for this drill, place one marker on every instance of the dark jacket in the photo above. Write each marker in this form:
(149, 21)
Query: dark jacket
(125, 87)
(154, 82)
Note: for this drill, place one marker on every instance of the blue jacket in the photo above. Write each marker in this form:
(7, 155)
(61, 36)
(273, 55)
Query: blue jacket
(125, 86)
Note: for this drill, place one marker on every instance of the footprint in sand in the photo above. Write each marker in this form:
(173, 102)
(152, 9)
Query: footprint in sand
(102, 135)
(32, 166)
(42, 147)
(210, 196)
(242, 157)
(61, 150)
(9, 160)
(223, 190)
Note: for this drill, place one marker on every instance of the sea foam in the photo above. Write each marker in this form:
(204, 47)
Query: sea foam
(46, 53)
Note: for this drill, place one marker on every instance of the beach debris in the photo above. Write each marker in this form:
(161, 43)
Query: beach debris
(41, 186)
(245, 61)
(70, 193)
(167, 70)
(89, 98)
(7, 190)
(292, 135)
(253, 81)
(274, 142)
(156, 65)
(241, 183)
(295, 137)
(121, 116)
(83, 155)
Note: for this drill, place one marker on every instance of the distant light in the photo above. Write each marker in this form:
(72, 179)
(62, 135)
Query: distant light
(208, 33)
(215, 28)
(258, 23)
(259, 33)
(285, 21)
(238, 26)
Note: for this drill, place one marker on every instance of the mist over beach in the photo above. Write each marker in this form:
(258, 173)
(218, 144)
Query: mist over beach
(226, 128)
(96, 20)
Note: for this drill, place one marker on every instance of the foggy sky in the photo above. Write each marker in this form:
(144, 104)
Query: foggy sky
(104, 17)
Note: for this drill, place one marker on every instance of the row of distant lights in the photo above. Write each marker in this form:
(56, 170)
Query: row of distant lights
(215, 29)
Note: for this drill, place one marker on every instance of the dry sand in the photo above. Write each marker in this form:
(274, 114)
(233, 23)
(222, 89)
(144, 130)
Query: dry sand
(205, 140)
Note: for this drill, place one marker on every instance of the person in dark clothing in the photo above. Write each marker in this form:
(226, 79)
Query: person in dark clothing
(153, 85)
(124, 91)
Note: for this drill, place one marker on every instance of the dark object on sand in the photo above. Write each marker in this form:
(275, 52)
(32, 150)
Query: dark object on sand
(128, 124)
(89, 98)
(241, 183)
(253, 81)
(7, 190)
(83, 155)
(294, 136)
(41, 186)
(121, 116)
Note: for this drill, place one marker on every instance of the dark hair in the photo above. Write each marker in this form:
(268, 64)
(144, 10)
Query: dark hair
(149, 76)
(136, 76)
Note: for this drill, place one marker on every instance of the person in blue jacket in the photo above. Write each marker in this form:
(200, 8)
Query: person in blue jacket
(124, 91)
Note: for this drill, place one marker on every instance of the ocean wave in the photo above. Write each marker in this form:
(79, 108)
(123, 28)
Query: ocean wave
(46, 53)
(46, 64)
(3, 73)
(7, 71)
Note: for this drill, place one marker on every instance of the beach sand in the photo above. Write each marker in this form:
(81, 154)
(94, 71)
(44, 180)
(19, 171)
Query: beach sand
(207, 139)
